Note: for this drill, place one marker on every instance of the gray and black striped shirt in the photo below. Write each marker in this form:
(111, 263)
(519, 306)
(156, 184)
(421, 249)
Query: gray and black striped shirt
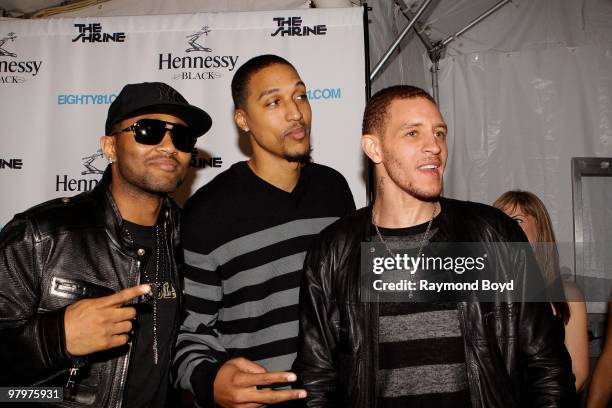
(245, 242)
(421, 356)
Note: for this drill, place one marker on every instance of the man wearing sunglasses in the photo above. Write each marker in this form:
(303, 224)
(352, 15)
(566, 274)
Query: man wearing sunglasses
(90, 294)
(245, 235)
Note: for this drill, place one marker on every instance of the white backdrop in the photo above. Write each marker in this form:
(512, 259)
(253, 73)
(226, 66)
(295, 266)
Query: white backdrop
(56, 89)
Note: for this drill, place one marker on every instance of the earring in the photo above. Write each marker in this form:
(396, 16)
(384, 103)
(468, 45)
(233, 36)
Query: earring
(246, 129)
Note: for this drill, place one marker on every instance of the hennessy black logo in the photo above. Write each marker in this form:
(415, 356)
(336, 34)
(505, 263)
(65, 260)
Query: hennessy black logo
(93, 33)
(65, 183)
(89, 161)
(3, 52)
(13, 66)
(198, 66)
(193, 40)
(292, 26)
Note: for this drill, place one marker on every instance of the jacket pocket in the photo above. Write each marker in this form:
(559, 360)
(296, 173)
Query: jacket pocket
(63, 291)
(76, 289)
(345, 329)
(84, 393)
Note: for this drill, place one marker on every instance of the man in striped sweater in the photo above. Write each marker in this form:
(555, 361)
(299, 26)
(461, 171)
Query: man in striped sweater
(245, 236)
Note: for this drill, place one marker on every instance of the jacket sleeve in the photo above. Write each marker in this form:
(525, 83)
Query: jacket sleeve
(314, 365)
(547, 365)
(33, 343)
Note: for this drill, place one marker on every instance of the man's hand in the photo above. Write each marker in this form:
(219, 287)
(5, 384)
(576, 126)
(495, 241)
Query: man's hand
(99, 324)
(237, 380)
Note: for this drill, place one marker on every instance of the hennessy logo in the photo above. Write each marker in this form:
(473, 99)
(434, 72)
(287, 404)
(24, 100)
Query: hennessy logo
(12, 67)
(195, 65)
(193, 40)
(65, 183)
(88, 162)
(3, 52)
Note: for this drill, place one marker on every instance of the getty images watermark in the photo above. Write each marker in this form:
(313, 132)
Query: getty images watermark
(396, 271)
(412, 264)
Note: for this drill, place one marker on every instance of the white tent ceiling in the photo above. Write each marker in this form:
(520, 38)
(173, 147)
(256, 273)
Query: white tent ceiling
(518, 25)
(141, 7)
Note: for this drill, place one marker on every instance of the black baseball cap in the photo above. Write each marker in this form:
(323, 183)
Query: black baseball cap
(155, 97)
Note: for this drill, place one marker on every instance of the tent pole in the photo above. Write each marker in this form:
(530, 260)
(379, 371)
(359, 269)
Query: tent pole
(418, 28)
(434, 56)
(438, 49)
(370, 190)
(366, 46)
(395, 44)
(474, 22)
(434, 80)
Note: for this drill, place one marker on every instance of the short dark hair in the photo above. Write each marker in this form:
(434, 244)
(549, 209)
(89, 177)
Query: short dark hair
(241, 78)
(376, 112)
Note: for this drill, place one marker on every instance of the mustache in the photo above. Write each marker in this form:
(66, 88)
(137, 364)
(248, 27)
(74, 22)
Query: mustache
(301, 126)
(171, 156)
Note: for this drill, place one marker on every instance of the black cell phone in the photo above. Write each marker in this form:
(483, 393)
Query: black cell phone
(275, 386)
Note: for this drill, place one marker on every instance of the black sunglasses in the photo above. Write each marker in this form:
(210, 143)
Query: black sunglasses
(152, 131)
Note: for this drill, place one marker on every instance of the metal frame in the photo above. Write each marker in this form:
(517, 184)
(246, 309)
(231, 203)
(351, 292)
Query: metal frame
(436, 50)
(370, 192)
(584, 167)
(399, 39)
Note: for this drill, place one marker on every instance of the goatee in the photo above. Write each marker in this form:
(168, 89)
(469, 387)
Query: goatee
(303, 158)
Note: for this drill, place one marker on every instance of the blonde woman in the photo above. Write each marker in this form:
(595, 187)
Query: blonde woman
(531, 215)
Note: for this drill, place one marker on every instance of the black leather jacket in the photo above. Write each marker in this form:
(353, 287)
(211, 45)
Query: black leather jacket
(51, 256)
(515, 355)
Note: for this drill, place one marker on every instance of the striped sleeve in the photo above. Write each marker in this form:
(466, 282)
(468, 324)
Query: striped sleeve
(199, 353)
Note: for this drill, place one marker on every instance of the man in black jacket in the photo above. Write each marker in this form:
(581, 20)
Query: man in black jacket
(90, 293)
(359, 353)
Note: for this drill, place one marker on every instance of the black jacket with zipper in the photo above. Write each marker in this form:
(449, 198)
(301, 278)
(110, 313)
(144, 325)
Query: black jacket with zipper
(51, 256)
(515, 353)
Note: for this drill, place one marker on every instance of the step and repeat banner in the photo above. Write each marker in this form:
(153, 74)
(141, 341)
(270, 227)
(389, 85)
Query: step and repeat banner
(59, 76)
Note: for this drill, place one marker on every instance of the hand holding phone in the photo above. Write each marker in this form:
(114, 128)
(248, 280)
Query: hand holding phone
(243, 383)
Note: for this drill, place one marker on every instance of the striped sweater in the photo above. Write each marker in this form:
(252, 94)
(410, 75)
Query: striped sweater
(245, 242)
(421, 357)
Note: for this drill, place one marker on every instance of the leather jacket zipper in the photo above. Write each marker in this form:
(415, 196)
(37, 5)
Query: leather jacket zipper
(74, 370)
(69, 388)
(126, 361)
